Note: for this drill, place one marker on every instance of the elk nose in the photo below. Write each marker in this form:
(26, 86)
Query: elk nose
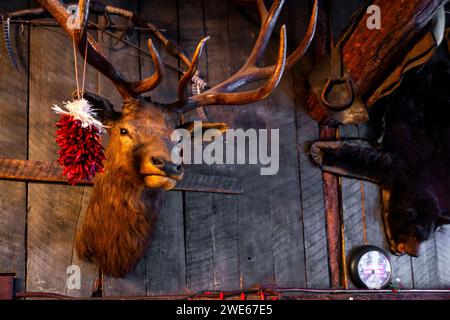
(168, 167)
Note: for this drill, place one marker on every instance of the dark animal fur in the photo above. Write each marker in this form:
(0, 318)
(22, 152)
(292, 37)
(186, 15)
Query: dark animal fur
(414, 160)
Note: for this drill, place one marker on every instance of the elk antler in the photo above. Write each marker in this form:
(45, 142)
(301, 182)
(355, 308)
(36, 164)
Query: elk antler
(95, 56)
(224, 93)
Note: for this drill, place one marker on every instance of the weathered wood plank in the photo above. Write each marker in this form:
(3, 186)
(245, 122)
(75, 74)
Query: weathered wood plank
(284, 186)
(442, 240)
(199, 223)
(256, 227)
(311, 196)
(224, 208)
(369, 53)
(48, 171)
(13, 143)
(425, 271)
(54, 210)
(288, 248)
(88, 271)
(165, 259)
(199, 243)
(220, 259)
(352, 206)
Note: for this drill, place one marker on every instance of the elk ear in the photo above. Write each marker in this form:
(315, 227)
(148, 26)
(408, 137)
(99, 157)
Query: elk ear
(103, 108)
(193, 126)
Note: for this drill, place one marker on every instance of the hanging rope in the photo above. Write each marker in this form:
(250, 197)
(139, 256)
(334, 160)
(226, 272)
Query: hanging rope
(84, 69)
(76, 67)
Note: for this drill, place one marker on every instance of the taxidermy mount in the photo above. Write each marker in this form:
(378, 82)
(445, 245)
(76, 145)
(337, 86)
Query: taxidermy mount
(138, 168)
(412, 163)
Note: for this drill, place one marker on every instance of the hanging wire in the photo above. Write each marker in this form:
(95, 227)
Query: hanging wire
(76, 67)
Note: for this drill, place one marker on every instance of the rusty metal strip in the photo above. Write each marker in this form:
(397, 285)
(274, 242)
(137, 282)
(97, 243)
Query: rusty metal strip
(51, 172)
(322, 48)
(333, 217)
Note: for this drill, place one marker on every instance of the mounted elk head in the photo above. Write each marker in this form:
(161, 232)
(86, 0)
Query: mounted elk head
(126, 197)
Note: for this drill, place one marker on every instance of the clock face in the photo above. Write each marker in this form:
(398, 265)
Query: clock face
(374, 269)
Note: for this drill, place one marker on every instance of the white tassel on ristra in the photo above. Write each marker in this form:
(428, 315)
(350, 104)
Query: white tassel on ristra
(80, 110)
(78, 137)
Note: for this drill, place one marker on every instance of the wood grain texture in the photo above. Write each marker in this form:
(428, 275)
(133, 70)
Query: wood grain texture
(13, 143)
(352, 206)
(311, 192)
(217, 239)
(199, 225)
(256, 226)
(442, 240)
(165, 266)
(52, 172)
(54, 210)
(88, 270)
(284, 187)
(425, 267)
(369, 53)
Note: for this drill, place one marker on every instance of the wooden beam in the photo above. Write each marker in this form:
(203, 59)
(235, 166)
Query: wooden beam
(51, 172)
(303, 294)
(370, 54)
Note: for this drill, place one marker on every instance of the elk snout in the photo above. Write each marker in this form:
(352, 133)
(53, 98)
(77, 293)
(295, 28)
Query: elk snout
(160, 172)
(168, 167)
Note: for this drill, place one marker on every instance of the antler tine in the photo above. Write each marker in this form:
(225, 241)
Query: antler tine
(95, 56)
(155, 79)
(223, 93)
(190, 72)
(307, 39)
(226, 98)
(262, 10)
(265, 32)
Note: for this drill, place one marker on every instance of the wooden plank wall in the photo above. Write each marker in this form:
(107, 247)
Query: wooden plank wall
(14, 144)
(273, 235)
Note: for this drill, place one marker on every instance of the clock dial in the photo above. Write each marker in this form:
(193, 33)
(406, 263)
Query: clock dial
(370, 268)
(374, 269)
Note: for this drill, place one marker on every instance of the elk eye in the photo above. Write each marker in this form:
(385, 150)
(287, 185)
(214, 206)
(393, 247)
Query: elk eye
(123, 131)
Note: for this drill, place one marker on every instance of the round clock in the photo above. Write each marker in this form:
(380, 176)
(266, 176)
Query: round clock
(370, 268)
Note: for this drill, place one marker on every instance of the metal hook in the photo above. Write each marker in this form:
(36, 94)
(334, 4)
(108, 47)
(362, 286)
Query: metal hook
(329, 87)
